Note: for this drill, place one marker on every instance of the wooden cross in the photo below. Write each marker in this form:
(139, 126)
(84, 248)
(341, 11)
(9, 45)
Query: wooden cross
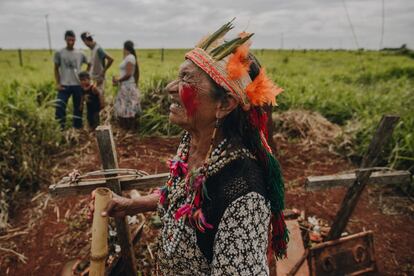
(357, 185)
(109, 160)
(381, 137)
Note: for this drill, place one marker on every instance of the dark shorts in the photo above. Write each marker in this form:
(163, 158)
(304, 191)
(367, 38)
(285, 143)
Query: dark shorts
(93, 107)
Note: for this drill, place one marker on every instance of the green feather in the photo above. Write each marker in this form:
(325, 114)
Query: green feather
(230, 47)
(222, 31)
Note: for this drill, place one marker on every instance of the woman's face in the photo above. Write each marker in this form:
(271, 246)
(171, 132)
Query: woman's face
(192, 106)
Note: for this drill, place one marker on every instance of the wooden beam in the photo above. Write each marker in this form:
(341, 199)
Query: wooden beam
(299, 263)
(109, 161)
(127, 183)
(294, 263)
(314, 183)
(381, 137)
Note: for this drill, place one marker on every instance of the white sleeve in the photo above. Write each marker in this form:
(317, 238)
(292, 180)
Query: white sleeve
(242, 236)
(130, 59)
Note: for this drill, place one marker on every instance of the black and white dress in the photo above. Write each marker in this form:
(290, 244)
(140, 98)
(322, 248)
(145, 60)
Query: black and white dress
(239, 212)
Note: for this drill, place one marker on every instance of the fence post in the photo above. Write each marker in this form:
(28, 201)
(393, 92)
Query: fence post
(162, 54)
(20, 57)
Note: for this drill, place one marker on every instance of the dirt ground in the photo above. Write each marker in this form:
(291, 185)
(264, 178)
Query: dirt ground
(41, 225)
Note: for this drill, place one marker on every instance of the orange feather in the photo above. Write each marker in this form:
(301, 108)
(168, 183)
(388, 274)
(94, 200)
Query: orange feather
(262, 90)
(238, 64)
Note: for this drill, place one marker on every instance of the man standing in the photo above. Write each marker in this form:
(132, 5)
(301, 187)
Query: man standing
(100, 62)
(68, 62)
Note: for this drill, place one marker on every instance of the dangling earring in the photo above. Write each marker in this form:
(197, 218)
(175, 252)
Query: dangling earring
(213, 137)
(217, 124)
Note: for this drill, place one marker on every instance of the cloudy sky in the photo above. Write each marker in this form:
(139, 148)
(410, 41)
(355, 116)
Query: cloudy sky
(179, 24)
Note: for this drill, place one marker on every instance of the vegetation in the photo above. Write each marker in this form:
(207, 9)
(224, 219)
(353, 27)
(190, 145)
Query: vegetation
(350, 88)
(28, 136)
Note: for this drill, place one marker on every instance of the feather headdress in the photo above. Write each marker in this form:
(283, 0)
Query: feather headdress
(228, 64)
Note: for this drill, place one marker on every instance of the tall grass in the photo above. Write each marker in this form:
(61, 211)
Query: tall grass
(352, 89)
(155, 102)
(28, 137)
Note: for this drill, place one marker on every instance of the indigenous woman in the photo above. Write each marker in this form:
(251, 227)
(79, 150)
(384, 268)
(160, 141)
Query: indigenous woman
(222, 205)
(127, 104)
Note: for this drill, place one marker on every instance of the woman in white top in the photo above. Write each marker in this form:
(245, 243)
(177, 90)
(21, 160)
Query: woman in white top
(127, 104)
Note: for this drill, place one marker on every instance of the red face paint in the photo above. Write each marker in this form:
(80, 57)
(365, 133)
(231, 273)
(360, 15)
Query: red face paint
(188, 97)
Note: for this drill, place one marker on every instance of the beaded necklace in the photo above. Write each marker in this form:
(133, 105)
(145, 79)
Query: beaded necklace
(185, 190)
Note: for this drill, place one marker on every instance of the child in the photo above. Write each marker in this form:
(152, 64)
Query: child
(93, 97)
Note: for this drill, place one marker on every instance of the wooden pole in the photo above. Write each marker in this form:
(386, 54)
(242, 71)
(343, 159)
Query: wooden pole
(99, 246)
(299, 263)
(162, 54)
(20, 57)
(48, 33)
(381, 137)
(109, 161)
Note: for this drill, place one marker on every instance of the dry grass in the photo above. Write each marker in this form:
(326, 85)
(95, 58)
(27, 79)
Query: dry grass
(310, 128)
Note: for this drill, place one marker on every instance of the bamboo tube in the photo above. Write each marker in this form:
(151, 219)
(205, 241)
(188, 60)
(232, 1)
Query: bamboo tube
(99, 247)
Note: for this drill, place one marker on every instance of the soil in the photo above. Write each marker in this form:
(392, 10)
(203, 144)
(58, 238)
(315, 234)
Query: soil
(50, 220)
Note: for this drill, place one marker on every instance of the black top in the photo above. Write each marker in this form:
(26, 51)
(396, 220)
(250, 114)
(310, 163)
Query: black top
(236, 179)
(92, 100)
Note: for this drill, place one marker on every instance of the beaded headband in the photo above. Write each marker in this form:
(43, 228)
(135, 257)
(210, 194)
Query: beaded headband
(217, 71)
(228, 64)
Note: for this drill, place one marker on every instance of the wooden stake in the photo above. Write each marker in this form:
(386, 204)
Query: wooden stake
(109, 161)
(381, 137)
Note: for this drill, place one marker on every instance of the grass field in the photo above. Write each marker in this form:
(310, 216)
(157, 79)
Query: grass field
(352, 89)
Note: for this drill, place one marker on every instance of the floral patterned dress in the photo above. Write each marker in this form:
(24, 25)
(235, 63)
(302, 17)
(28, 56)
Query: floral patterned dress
(239, 212)
(127, 102)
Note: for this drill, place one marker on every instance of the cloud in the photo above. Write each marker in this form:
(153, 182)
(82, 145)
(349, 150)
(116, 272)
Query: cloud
(178, 24)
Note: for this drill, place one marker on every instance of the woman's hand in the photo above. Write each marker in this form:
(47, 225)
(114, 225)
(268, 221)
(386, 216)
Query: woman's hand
(115, 81)
(118, 206)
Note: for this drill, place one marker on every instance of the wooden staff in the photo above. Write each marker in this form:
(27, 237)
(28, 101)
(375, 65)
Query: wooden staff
(99, 248)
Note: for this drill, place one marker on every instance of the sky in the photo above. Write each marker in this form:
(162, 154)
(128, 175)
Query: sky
(285, 24)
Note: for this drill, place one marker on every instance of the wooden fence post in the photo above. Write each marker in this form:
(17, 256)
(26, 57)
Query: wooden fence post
(20, 57)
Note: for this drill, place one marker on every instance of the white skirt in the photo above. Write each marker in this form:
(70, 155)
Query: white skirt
(127, 101)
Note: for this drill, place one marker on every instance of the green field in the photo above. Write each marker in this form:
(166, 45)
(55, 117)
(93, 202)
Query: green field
(347, 87)
(352, 89)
